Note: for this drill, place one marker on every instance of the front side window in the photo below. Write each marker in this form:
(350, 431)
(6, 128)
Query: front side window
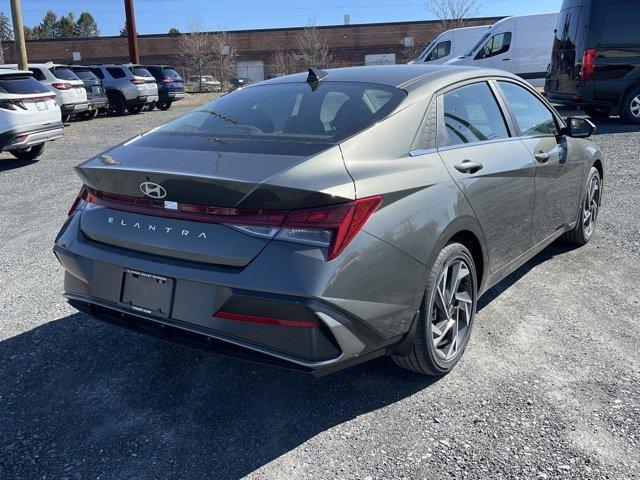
(471, 114)
(533, 118)
(116, 72)
(292, 112)
(440, 50)
(496, 45)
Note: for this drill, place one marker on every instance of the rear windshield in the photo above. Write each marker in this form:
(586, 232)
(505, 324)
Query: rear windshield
(63, 73)
(21, 85)
(567, 29)
(171, 73)
(291, 112)
(85, 74)
(140, 71)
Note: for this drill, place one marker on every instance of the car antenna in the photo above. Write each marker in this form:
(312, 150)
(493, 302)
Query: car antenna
(315, 76)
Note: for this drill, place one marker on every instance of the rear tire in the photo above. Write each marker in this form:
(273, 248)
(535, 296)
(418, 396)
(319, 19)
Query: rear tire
(89, 114)
(446, 314)
(598, 111)
(630, 108)
(135, 110)
(116, 107)
(164, 106)
(30, 153)
(66, 117)
(589, 209)
(149, 107)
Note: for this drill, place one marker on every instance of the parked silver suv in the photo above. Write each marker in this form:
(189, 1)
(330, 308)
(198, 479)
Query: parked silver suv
(129, 87)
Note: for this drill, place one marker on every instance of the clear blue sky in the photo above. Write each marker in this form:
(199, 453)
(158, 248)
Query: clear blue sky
(158, 16)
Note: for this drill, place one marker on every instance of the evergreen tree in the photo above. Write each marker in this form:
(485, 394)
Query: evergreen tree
(174, 31)
(48, 27)
(86, 26)
(6, 30)
(66, 26)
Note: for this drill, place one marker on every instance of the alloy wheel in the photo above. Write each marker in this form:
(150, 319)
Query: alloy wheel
(635, 106)
(591, 206)
(452, 309)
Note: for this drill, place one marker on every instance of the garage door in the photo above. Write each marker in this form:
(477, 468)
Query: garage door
(253, 69)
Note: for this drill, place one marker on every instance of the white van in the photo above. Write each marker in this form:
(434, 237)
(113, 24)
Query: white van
(520, 45)
(450, 44)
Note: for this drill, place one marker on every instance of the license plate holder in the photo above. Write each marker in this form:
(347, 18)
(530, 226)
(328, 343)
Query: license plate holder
(41, 105)
(147, 293)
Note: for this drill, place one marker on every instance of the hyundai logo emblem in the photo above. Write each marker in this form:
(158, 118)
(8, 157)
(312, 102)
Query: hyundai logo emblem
(153, 190)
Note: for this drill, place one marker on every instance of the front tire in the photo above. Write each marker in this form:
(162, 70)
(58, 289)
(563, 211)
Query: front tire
(446, 314)
(89, 114)
(66, 117)
(30, 153)
(149, 107)
(164, 106)
(630, 108)
(117, 107)
(135, 110)
(589, 210)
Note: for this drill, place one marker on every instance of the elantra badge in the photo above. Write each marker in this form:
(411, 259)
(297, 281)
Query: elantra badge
(153, 190)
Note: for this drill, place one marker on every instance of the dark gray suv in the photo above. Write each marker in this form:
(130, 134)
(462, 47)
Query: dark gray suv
(319, 220)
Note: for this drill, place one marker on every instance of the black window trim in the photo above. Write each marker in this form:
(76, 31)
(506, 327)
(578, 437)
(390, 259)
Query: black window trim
(478, 57)
(441, 129)
(435, 49)
(516, 129)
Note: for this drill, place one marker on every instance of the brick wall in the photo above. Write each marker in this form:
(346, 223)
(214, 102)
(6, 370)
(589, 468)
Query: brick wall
(349, 44)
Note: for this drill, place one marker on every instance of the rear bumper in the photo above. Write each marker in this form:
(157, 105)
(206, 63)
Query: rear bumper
(15, 140)
(97, 102)
(142, 100)
(68, 108)
(323, 333)
(171, 96)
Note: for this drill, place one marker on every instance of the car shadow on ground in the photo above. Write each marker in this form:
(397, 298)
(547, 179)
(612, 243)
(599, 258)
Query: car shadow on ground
(84, 399)
(9, 163)
(556, 248)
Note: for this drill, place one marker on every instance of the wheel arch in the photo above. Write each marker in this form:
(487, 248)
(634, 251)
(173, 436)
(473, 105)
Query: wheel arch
(466, 230)
(598, 165)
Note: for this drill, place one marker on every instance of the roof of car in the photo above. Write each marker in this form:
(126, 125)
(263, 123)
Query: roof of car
(38, 65)
(402, 76)
(5, 70)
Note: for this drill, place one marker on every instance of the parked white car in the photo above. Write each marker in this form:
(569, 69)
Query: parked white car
(71, 95)
(450, 44)
(29, 114)
(520, 44)
(209, 83)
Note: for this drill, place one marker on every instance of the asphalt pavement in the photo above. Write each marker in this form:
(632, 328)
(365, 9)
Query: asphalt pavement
(549, 386)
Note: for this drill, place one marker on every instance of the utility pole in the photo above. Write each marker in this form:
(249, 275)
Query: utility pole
(132, 34)
(18, 34)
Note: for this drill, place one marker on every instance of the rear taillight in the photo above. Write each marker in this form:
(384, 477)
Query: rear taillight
(167, 80)
(588, 64)
(137, 81)
(332, 227)
(12, 105)
(61, 86)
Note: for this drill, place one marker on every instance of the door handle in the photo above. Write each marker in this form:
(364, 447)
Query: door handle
(543, 157)
(506, 59)
(467, 166)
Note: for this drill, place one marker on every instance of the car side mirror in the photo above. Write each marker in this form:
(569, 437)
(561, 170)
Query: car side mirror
(579, 127)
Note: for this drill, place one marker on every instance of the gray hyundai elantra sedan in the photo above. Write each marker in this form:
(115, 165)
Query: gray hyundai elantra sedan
(318, 220)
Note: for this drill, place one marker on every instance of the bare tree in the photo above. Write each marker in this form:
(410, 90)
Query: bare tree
(196, 49)
(282, 63)
(225, 58)
(453, 13)
(312, 49)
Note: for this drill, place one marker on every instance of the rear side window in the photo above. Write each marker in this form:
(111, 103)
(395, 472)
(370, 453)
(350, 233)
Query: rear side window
(496, 45)
(140, 71)
(292, 112)
(64, 73)
(21, 85)
(471, 114)
(37, 74)
(621, 25)
(440, 50)
(533, 118)
(116, 72)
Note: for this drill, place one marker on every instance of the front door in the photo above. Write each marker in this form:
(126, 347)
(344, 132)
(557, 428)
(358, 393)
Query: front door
(558, 173)
(497, 52)
(494, 170)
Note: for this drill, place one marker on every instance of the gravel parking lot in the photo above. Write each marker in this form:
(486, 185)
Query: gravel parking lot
(549, 386)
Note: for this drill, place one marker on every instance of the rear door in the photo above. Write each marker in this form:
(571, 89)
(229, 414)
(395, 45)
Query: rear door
(557, 174)
(563, 72)
(493, 168)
